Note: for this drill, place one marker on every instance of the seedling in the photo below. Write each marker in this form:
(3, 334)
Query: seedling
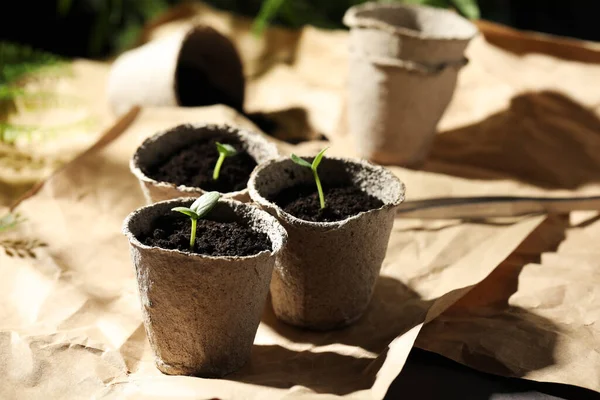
(225, 150)
(313, 167)
(198, 210)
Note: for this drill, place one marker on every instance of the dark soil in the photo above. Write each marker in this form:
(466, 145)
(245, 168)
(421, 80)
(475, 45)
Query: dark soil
(209, 71)
(195, 89)
(341, 202)
(193, 166)
(212, 238)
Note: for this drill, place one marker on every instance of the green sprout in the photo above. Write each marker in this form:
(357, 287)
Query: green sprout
(313, 167)
(225, 150)
(198, 210)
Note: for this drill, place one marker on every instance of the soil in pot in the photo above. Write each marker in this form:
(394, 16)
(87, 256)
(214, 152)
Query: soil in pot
(213, 238)
(193, 166)
(341, 202)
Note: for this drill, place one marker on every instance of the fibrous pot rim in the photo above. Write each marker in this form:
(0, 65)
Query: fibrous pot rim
(353, 19)
(295, 221)
(276, 230)
(242, 133)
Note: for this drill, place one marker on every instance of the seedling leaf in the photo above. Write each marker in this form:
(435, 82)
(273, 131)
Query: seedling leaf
(318, 158)
(300, 161)
(199, 208)
(226, 149)
(205, 203)
(186, 211)
(313, 167)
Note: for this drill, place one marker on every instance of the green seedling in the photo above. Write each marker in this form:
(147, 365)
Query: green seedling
(313, 167)
(225, 150)
(198, 210)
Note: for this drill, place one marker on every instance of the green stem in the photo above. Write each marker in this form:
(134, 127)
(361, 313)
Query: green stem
(319, 189)
(193, 236)
(268, 10)
(218, 166)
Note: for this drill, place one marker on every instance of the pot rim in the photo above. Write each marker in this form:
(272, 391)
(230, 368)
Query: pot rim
(353, 20)
(240, 132)
(276, 247)
(289, 218)
(411, 66)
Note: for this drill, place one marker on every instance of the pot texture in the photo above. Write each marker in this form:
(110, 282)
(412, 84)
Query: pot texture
(325, 277)
(200, 312)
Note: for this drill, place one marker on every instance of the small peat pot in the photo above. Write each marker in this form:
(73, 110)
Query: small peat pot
(182, 161)
(201, 308)
(403, 68)
(195, 66)
(325, 277)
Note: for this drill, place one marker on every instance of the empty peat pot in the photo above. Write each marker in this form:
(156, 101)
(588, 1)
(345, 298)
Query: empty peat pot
(325, 277)
(195, 66)
(403, 68)
(180, 161)
(201, 312)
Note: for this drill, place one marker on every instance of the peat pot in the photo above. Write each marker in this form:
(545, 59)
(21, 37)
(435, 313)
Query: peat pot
(162, 145)
(325, 277)
(201, 312)
(195, 66)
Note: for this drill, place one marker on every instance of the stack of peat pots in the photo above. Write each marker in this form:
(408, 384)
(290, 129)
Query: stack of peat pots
(404, 63)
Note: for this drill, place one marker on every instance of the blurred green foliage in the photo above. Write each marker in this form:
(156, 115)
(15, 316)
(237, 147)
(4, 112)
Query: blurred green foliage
(328, 14)
(21, 64)
(18, 61)
(117, 23)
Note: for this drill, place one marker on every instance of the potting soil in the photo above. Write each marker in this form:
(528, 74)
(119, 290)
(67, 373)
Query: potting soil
(341, 202)
(212, 238)
(193, 166)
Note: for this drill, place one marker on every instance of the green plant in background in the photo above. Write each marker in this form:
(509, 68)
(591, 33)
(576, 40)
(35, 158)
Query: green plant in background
(199, 209)
(20, 65)
(313, 167)
(117, 24)
(225, 150)
(19, 61)
(295, 13)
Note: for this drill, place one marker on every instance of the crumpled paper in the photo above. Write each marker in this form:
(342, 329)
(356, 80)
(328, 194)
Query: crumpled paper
(70, 323)
(76, 299)
(536, 315)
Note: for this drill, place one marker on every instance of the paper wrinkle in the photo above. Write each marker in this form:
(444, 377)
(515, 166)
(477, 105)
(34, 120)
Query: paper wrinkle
(339, 362)
(70, 321)
(537, 320)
